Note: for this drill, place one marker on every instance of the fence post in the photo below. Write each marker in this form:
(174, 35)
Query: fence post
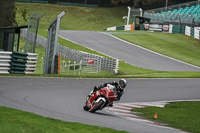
(41, 62)
(80, 68)
(69, 67)
(58, 65)
(74, 66)
(75, 55)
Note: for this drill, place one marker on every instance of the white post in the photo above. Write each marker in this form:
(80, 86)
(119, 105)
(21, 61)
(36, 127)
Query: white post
(69, 67)
(56, 39)
(42, 62)
(129, 11)
(63, 67)
(80, 68)
(141, 12)
(74, 66)
(99, 65)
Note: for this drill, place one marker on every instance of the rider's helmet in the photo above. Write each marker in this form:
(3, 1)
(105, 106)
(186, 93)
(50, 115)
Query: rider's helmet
(122, 83)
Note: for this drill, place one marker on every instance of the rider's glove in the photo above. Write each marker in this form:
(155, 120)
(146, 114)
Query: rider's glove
(95, 89)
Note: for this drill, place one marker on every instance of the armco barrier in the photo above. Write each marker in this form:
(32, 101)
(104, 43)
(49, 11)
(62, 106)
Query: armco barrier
(178, 29)
(31, 63)
(124, 27)
(120, 28)
(193, 32)
(17, 64)
(171, 28)
(196, 33)
(75, 55)
(5, 62)
(188, 31)
(78, 55)
(23, 63)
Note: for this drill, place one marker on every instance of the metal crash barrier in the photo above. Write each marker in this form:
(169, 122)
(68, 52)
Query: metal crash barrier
(17, 63)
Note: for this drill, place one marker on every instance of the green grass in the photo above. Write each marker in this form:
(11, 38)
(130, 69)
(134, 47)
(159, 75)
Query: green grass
(15, 121)
(82, 18)
(78, 47)
(96, 19)
(76, 18)
(181, 115)
(178, 46)
(129, 71)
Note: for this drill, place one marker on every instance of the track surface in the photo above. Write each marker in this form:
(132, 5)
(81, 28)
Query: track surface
(63, 98)
(124, 51)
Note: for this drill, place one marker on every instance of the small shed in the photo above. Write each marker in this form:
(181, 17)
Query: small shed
(139, 21)
(9, 38)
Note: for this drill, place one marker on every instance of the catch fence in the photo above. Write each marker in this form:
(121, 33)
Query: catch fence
(75, 55)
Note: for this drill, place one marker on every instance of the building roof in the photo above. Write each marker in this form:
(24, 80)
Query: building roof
(15, 29)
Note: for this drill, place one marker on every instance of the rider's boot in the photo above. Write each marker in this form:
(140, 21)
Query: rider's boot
(110, 105)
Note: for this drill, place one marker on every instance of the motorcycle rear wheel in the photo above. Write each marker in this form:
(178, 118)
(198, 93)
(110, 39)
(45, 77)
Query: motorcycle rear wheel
(97, 106)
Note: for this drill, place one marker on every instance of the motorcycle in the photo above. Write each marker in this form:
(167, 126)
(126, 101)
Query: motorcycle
(100, 99)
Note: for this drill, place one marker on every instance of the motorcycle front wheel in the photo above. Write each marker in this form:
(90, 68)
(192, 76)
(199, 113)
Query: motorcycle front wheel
(97, 106)
(85, 108)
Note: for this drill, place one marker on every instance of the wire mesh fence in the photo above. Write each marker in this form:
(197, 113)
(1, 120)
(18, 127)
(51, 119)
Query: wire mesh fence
(75, 55)
(32, 32)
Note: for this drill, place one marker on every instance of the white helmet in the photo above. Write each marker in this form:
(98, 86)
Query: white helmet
(122, 83)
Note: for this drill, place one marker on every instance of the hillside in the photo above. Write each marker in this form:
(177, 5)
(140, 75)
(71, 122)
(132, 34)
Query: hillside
(96, 19)
(76, 18)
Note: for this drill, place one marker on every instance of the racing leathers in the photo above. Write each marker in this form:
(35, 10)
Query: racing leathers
(118, 91)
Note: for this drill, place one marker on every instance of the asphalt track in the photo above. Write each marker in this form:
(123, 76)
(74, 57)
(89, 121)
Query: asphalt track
(125, 51)
(63, 98)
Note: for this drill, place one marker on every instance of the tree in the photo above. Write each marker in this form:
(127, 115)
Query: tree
(7, 15)
(116, 2)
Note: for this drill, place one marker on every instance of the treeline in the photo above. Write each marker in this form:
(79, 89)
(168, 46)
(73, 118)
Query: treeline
(7, 16)
(134, 3)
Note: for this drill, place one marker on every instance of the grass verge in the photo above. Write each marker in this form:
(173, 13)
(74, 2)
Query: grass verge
(181, 115)
(129, 71)
(83, 18)
(15, 121)
(76, 18)
(178, 46)
(125, 70)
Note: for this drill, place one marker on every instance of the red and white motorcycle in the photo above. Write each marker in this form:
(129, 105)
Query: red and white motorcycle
(101, 99)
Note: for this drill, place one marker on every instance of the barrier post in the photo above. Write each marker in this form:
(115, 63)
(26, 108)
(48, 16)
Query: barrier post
(132, 27)
(58, 65)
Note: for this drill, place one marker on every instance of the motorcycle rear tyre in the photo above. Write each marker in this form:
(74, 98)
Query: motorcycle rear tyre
(97, 106)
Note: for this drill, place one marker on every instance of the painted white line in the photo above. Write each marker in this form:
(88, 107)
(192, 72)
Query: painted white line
(119, 110)
(130, 44)
(120, 106)
(87, 47)
(151, 51)
(123, 110)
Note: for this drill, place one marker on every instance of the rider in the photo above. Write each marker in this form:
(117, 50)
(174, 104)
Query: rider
(118, 85)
